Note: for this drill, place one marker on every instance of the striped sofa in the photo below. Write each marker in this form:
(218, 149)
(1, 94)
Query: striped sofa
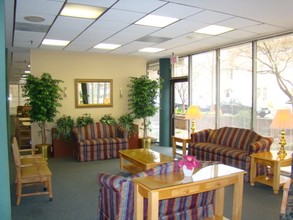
(99, 141)
(229, 145)
(116, 198)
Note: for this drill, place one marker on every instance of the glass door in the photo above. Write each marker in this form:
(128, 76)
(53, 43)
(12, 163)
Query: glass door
(180, 103)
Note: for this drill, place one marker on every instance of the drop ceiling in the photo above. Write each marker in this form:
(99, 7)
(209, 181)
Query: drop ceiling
(250, 19)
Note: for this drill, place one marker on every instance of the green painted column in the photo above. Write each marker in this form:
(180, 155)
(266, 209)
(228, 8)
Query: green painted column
(165, 105)
(5, 207)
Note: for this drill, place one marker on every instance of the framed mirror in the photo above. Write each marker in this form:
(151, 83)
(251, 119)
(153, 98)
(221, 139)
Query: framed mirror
(93, 93)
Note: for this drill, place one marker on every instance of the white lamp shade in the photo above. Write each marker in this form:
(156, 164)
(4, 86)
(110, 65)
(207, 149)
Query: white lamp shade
(283, 119)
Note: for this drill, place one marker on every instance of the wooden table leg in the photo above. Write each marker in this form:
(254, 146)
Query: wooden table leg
(121, 162)
(138, 204)
(174, 147)
(252, 171)
(219, 203)
(237, 198)
(276, 177)
(183, 148)
(153, 205)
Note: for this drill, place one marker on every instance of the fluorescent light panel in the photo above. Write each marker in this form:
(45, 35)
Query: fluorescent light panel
(214, 30)
(53, 42)
(107, 46)
(82, 11)
(156, 21)
(151, 50)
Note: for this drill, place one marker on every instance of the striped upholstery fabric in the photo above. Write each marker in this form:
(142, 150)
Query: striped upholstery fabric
(116, 198)
(100, 141)
(231, 146)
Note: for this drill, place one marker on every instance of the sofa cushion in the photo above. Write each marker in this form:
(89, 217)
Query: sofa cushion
(233, 137)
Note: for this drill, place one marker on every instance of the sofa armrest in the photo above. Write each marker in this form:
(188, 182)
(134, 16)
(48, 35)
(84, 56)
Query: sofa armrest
(110, 181)
(262, 145)
(200, 136)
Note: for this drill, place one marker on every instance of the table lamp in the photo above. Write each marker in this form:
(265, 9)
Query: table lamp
(193, 113)
(282, 120)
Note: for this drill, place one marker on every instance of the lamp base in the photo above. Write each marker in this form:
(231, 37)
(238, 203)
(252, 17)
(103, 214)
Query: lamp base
(282, 153)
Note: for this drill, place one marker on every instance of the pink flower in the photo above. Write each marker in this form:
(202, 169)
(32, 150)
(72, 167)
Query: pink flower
(189, 161)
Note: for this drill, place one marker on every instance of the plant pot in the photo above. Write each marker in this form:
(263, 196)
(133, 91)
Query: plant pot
(44, 150)
(145, 142)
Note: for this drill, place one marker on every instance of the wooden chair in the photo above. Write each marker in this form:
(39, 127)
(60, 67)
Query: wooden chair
(31, 171)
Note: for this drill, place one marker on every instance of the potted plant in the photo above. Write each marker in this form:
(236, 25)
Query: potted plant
(44, 94)
(64, 126)
(62, 136)
(84, 120)
(142, 96)
(108, 119)
(126, 122)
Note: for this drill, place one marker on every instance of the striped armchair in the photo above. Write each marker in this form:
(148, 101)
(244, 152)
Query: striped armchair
(229, 145)
(99, 141)
(116, 198)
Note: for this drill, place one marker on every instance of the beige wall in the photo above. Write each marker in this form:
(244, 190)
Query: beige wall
(67, 66)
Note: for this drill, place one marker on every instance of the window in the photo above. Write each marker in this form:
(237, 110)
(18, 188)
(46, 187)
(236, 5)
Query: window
(203, 88)
(274, 84)
(236, 86)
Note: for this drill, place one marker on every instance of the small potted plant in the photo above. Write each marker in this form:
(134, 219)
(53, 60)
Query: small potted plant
(64, 126)
(108, 119)
(84, 120)
(188, 164)
(63, 136)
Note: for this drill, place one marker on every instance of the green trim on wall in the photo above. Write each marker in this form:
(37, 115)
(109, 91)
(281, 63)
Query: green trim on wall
(5, 207)
(165, 105)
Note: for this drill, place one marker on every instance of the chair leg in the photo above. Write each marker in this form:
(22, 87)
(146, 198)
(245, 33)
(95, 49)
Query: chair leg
(18, 192)
(50, 189)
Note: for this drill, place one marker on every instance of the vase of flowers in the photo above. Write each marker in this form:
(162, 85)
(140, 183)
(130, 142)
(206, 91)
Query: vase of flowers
(188, 164)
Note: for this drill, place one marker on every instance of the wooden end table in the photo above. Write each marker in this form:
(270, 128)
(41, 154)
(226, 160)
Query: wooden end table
(183, 140)
(172, 185)
(141, 159)
(269, 159)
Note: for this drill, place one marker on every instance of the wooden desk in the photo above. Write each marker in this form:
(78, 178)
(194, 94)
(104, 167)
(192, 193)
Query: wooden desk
(269, 159)
(183, 140)
(172, 185)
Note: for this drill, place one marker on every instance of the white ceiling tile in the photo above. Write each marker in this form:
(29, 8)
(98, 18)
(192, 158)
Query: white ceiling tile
(209, 17)
(121, 16)
(236, 33)
(238, 23)
(108, 25)
(139, 5)
(176, 11)
(263, 28)
(179, 28)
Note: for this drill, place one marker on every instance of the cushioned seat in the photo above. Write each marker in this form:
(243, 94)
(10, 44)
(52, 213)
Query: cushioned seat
(231, 146)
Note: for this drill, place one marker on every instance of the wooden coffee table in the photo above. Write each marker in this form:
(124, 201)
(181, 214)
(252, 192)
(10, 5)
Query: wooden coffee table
(139, 160)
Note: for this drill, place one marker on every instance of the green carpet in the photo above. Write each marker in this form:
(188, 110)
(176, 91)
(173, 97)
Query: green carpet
(75, 194)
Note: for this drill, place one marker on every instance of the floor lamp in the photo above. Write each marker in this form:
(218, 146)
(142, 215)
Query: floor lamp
(193, 113)
(282, 120)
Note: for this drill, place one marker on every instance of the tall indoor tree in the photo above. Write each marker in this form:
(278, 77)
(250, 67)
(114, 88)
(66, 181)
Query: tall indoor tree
(44, 95)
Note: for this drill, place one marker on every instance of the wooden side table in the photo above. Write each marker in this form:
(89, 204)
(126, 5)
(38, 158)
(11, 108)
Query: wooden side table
(269, 159)
(183, 140)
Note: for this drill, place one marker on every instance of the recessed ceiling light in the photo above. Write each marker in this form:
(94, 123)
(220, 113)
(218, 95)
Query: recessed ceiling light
(156, 21)
(214, 30)
(151, 50)
(107, 46)
(82, 11)
(34, 18)
(55, 42)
